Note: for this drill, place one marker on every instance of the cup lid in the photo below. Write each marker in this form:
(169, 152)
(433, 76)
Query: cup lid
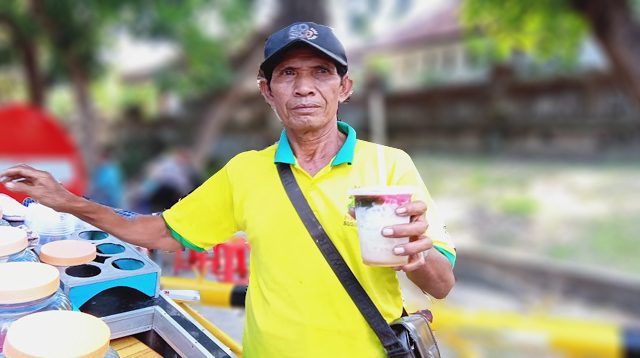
(57, 334)
(383, 190)
(67, 252)
(27, 281)
(11, 208)
(12, 240)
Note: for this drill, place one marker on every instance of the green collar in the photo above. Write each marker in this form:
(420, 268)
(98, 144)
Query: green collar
(284, 154)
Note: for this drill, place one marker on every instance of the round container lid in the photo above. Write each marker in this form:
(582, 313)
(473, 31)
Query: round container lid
(11, 208)
(67, 252)
(27, 281)
(57, 334)
(12, 240)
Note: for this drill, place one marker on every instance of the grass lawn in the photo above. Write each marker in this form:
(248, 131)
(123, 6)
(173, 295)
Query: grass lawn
(587, 213)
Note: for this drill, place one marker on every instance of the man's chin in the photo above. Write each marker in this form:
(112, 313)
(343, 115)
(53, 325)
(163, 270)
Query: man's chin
(306, 123)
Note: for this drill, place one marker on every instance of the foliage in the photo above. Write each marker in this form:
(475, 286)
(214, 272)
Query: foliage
(545, 29)
(11, 86)
(518, 205)
(110, 96)
(61, 102)
(85, 28)
(635, 8)
(204, 43)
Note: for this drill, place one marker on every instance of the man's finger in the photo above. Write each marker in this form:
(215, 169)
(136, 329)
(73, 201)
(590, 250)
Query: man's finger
(19, 187)
(412, 209)
(19, 171)
(415, 228)
(414, 263)
(414, 247)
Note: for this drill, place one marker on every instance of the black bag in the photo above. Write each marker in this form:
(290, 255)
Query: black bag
(406, 337)
(414, 332)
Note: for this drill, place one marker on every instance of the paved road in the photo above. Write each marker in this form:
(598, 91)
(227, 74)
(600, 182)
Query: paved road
(493, 292)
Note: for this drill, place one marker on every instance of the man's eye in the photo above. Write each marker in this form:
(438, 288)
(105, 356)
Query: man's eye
(323, 70)
(287, 72)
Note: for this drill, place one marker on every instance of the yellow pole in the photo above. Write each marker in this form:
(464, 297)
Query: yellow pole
(211, 293)
(213, 329)
(573, 337)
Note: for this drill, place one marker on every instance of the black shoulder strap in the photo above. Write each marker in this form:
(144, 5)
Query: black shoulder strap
(359, 296)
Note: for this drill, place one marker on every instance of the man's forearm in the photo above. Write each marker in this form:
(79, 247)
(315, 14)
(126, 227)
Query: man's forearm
(144, 230)
(435, 277)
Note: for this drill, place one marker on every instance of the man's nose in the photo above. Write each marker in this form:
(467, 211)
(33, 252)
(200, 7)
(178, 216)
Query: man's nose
(304, 85)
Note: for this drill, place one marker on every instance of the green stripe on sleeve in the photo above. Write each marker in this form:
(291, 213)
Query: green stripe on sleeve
(181, 239)
(451, 257)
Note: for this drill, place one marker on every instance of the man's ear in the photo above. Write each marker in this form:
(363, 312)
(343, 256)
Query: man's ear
(266, 91)
(346, 88)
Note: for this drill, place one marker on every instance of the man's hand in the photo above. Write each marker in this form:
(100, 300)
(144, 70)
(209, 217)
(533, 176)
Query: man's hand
(419, 243)
(37, 184)
(145, 230)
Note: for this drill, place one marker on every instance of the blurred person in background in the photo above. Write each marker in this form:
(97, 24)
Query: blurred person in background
(107, 183)
(168, 178)
(295, 305)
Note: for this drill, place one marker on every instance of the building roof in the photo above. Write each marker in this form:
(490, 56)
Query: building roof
(441, 25)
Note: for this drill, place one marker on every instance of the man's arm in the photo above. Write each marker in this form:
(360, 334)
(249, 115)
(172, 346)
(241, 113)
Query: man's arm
(427, 268)
(144, 230)
(435, 276)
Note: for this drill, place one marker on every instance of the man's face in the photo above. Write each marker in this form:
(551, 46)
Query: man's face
(306, 89)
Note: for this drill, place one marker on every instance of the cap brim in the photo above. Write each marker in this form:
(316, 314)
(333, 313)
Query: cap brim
(272, 61)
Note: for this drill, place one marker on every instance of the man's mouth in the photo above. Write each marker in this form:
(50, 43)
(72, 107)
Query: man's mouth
(306, 106)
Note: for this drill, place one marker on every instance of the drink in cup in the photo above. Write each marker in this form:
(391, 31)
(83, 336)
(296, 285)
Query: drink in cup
(375, 209)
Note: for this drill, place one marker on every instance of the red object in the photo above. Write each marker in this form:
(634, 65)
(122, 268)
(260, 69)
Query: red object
(235, 261)
(178, 262)
(200, 258)
(228, 263)
(31, 136)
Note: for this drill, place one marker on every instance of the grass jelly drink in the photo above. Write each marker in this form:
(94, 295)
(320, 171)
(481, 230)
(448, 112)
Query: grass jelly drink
(375, 209)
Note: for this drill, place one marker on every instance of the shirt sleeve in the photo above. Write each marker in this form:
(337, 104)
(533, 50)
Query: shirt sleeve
(205, 217)
(404, 172)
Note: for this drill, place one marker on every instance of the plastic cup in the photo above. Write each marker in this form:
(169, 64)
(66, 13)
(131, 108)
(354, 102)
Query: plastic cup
(375, 209)
(49, 224)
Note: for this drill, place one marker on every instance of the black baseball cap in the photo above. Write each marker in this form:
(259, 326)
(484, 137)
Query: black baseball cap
(315, 35)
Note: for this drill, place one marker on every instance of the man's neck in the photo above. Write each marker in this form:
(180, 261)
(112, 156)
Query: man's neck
(315, 149)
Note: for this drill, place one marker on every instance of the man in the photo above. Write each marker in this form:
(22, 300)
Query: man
(296, 307)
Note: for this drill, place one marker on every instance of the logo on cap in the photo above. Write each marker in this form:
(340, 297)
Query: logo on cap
(302, 31)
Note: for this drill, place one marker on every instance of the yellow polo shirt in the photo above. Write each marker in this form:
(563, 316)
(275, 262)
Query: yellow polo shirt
(295, 305)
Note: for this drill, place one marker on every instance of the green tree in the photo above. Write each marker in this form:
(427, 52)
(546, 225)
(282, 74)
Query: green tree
(246, 64)
(60, 40)
(22, 47)
(73, 32)
(547, 28)
(77, 31)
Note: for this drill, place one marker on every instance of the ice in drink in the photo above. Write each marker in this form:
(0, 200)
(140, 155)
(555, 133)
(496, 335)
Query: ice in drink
(375, 209)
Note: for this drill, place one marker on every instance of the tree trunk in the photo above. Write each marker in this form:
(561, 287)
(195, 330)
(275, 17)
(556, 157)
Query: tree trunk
(88, 138)
(219, 112)
(295, 10)
(613, 25)
(29, 57)
(35, 84)
(376, 109)
(79, 79)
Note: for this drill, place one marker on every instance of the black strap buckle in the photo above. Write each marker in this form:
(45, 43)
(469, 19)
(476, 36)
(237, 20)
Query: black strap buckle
(397, 350)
